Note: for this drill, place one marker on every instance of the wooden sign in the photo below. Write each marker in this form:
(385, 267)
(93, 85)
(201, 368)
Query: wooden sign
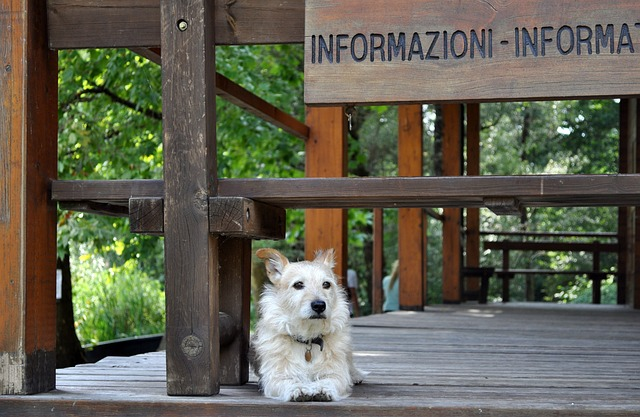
(382, 51)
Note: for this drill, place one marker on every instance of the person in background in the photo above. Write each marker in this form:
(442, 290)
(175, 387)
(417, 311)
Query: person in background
(352, 284)
(390, 288)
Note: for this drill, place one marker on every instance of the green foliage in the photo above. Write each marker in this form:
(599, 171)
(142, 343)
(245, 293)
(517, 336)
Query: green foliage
(571, 137)
(116, 302)
(110, 128)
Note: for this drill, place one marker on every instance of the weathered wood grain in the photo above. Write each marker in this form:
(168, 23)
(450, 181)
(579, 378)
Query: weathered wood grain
(146, 215)
(470, 50)
(241, 217)
(28, 152)
(617, 190)
(520, 360)
(191, 252)
(136, 23)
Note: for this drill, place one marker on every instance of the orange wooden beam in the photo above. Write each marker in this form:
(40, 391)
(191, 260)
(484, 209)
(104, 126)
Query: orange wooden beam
(326, 156)
(411, 221)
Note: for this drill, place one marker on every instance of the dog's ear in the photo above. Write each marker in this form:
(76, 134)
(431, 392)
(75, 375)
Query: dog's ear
(274, 262)
(327, 257)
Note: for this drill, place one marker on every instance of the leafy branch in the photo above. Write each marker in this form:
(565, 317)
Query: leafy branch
(82, 96)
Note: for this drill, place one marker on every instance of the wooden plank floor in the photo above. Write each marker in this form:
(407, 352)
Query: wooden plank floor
(468, 360)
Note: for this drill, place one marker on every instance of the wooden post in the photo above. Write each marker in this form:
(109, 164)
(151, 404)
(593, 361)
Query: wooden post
(377, 292)
(28, 163)
(506, 277)
(451, 166)
(235, 295)
(411, 221)
(326, 156)
(597, 276)
(473, 214)
(627, 233)
(190, 178)
(633, 284)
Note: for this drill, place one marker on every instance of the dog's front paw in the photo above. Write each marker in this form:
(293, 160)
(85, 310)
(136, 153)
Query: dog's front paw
(329, 390)
(323, 396)
(300, 394)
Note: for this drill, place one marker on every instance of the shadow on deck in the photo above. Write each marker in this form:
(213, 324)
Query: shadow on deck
(468, 360)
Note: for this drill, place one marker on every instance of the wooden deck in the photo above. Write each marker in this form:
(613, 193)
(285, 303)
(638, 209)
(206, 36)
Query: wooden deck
(468, 360)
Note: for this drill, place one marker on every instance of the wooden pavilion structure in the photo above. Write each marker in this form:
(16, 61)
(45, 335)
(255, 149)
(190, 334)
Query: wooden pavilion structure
(207, 277)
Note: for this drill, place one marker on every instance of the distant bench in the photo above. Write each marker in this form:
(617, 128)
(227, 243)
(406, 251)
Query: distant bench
(506, 273)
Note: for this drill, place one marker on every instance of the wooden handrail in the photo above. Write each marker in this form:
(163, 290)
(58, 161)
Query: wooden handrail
(391, 192)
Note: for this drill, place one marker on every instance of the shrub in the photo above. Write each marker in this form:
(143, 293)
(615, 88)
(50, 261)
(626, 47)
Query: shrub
(116, 302)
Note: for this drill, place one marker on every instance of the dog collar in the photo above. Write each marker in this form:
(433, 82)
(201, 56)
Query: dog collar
(310, 342)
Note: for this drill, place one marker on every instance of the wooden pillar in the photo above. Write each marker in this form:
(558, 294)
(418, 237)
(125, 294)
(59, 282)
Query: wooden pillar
(235, 295)
(377, 292)
(451, 228)
(190, 177)
(411, 221)
(28, 162)
(326, 156)
(633, 281)
(627, 223)
(473, 214)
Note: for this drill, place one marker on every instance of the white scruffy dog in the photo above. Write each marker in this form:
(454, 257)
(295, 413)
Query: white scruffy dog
(302, 343)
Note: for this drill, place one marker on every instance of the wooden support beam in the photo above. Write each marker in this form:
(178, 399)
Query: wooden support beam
(28, 162)
(377, 293)
(551, 246)
(412, 247)
(146, 215)
(504, 206)
(253, 104)
(633, 132)
(235, 290)
(326, 156)
(136, 23)
(228, 216)
(452, 120)
(471, 285)
(392, 192)
(191, 252)
(244, 99)
(626, 215)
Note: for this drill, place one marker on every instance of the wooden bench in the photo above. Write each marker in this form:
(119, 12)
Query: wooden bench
(506, 273)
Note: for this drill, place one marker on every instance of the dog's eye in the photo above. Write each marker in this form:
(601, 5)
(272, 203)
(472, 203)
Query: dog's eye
(298, 285)
(326, 285)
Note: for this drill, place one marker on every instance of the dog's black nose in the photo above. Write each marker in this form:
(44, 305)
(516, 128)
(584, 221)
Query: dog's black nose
(318, 306)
